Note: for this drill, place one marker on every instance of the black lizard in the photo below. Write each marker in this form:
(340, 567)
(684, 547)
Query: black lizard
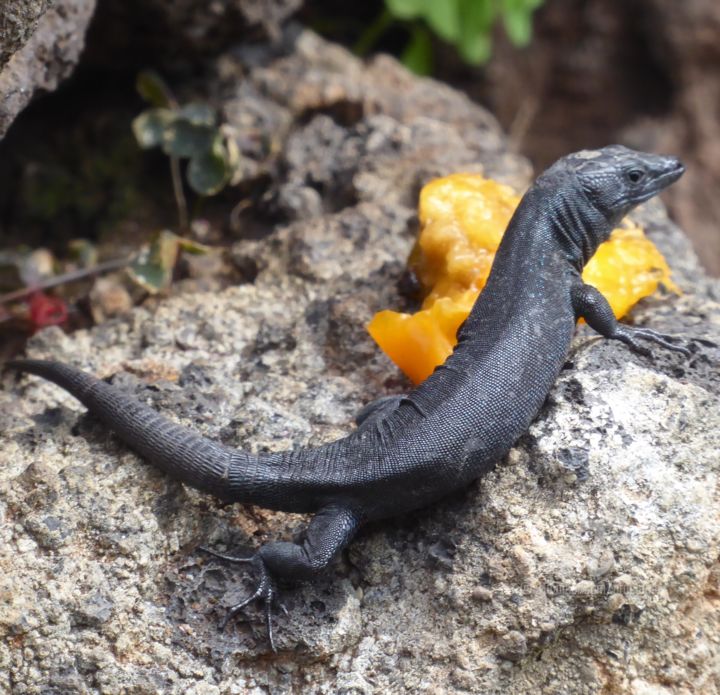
(411, 450)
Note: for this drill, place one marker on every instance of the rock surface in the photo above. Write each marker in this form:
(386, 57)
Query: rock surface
(175, 35)
(19, 21)
(585, 563)
(41, 40)
(40, 49)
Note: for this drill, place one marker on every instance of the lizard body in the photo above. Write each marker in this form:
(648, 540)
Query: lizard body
(411, 450)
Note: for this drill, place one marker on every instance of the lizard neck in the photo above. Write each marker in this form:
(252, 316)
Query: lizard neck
(574, 222)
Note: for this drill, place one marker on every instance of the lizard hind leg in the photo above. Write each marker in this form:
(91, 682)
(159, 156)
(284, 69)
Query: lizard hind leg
(377, 410)
(329, 531)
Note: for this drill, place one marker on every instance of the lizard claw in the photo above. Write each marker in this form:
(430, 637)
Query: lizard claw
(227, 558)
(264, 592)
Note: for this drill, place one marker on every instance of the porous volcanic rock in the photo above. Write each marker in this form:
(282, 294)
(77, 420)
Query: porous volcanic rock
(41, 41)
(175, 35)
(40, 49)
(19, 20)
(586, 562)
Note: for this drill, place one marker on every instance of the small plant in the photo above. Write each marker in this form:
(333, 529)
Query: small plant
(153, 266)
(466, 24)
(184, 132)
(190, 132)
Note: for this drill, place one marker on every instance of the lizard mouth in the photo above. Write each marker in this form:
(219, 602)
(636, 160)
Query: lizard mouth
(672, 173)
(677, 169)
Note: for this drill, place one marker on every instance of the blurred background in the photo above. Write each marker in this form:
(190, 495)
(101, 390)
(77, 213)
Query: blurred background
(562, 75)
(80, 187)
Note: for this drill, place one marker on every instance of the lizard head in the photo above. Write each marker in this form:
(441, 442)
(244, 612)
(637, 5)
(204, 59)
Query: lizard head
(615, 179)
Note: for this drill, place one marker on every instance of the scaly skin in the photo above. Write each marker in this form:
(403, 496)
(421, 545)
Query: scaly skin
(409, 451)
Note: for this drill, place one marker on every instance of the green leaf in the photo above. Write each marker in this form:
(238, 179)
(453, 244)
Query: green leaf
(531, 5)
(209, 171)
(184, 139)
(467, 24)
(518, 27)
(149, 127)
(153, 267)
(153, 89)
(233, 160)
(418, 54)
(232, 151)
(405, 9)
(475, 41)
(443, 17)
(476, 50)
(199, 113)
(477, 19)
(193, 247)
(517, 18)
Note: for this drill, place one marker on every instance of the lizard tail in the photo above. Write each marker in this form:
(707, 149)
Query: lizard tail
(179, 451)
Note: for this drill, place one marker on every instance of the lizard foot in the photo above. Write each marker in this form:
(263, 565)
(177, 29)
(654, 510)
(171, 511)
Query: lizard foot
(670, 342)
(265, 591)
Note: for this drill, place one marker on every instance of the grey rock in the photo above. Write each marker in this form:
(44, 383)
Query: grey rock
(93, 611)
(513, 646)
(586, 562)
(176, 35)
(40, 52)
(17, 24)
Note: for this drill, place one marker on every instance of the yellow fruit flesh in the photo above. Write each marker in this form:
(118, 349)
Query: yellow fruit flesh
(462, 220)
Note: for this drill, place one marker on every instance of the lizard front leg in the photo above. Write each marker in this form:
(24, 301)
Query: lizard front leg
(329, 531)
(589, 304)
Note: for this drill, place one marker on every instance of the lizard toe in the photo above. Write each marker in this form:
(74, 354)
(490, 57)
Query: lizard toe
(264, 591)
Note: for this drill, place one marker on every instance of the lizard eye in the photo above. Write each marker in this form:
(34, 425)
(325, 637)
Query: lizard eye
(635, 175)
